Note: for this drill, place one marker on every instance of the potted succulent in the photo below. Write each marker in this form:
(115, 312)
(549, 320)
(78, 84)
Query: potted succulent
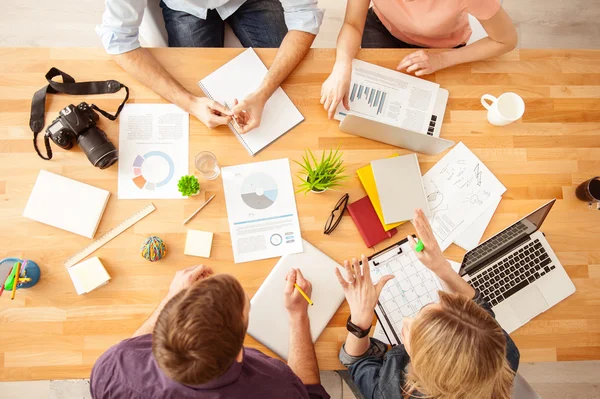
(188, 185)
(320, 175)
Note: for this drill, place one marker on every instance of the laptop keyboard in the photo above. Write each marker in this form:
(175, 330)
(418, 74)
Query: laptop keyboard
(513, 273)
(493, 243)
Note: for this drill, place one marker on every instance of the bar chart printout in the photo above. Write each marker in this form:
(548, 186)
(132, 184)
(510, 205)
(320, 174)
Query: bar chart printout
(375, 98)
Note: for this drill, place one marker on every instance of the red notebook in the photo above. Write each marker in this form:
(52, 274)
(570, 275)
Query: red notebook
(367, 222)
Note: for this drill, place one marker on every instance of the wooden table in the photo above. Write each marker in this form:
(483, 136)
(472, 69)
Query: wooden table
(50, 333)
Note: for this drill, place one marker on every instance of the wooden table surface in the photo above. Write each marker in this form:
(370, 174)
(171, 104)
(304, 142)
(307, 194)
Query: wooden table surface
(49, 332)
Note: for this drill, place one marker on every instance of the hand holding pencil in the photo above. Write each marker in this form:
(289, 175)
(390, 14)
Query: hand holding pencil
(297, 293)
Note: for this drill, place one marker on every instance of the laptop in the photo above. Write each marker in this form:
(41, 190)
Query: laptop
(268, 317)
(517, 271)
(428, 143)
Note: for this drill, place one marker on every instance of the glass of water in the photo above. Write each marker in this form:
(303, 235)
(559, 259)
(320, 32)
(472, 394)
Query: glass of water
(207, 165)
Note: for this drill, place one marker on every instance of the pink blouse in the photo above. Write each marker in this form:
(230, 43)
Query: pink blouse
(433, 23)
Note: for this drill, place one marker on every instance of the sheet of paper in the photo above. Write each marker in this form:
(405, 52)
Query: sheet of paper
(379, 332)
(390, 96)
(240, 77)
(261, 209)
(153, 151)
(471, 237)
(459, 189)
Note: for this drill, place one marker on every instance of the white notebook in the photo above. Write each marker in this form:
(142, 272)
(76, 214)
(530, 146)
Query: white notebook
(269, 320)
(66, 204)
(240, 77)
(400, 187)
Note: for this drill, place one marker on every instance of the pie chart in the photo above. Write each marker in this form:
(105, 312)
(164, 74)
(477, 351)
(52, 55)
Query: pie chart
(153, 170)
(259, 191)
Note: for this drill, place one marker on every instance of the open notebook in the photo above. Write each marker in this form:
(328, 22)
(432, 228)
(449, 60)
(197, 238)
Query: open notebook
(240, 77)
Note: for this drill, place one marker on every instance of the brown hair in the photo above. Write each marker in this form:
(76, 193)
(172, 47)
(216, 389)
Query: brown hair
(200, 332)
(458, 351)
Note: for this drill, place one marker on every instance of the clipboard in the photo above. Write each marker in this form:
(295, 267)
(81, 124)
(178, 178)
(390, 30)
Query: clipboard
(401, 251)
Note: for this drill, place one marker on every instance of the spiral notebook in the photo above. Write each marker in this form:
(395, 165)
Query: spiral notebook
(240, 77)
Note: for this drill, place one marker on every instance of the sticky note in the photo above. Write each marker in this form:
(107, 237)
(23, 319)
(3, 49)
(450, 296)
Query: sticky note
(198, 243)
(88, 275)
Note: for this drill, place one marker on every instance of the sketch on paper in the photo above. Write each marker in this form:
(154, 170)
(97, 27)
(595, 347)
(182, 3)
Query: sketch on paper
(459, 188)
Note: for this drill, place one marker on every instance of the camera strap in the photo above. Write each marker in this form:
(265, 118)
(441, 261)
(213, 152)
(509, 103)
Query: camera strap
(68, 86)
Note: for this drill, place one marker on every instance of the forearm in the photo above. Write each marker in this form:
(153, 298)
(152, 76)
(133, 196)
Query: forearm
(142, 65)
(302, 358)
(480, 50)
(358, 346)
(148, 326)
(453, 283)
(293, 49)
(348, 44)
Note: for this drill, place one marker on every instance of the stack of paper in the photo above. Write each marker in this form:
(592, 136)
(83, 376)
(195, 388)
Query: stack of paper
(88, 275)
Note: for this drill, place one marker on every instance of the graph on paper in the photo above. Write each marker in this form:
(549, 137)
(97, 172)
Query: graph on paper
(373, 97)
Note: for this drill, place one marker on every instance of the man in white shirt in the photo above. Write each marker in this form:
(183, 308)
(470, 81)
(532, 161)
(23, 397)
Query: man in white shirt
(290, 25)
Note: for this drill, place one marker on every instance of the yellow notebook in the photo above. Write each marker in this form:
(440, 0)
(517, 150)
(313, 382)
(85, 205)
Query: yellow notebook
(365, 174)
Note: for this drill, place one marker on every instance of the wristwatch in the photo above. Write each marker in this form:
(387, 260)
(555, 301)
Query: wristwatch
(356, 330)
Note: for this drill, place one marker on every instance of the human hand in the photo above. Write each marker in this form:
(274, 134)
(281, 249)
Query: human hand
(210, 112)
(422, 63)
(336, 88)
(247, 113)
(185, 278)
(431, 256)
(294, 301)
(361, 294)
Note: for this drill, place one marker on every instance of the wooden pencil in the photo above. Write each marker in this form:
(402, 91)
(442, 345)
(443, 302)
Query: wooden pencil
(15, 281)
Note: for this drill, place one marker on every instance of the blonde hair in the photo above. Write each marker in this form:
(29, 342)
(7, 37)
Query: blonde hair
(458, 351)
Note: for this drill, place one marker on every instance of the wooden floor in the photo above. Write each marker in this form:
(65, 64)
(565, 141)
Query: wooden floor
(50, 333)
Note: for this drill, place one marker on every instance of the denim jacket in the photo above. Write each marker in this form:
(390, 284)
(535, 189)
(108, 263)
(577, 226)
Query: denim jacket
(380, 373)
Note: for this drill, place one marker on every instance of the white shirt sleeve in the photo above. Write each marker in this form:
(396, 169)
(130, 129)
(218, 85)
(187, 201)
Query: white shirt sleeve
(120, 26)
(302, 15)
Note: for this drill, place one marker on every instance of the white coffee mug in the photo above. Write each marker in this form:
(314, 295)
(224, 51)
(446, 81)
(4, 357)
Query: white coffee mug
(503, 110)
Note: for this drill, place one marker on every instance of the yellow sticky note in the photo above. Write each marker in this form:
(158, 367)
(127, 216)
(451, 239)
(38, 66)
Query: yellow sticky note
(198, 243)
(366, 177)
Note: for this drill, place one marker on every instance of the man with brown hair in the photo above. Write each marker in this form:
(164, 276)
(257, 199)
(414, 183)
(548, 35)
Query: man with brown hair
(192, 347)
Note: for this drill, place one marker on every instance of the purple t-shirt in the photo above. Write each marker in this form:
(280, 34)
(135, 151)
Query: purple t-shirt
(128, 370)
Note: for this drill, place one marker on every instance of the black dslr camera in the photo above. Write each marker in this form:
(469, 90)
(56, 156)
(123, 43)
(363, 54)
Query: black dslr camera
(79, 123)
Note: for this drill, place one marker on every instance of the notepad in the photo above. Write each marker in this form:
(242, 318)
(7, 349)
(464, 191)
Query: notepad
(88, 275)
(400, 187)
(198, 243)
(237, 79)
(66, 204)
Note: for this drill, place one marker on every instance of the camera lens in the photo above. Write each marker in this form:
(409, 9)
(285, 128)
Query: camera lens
(99, 150)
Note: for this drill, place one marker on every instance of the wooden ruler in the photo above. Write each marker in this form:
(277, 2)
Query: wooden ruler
(109, 235)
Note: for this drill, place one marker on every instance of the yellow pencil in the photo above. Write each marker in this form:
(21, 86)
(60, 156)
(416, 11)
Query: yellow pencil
(24, 280)
(303, 294)
(16, 280)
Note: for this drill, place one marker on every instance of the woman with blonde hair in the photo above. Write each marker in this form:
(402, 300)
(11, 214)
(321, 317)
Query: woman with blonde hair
(453, 349)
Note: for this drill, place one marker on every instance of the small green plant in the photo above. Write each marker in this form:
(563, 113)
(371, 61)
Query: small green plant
(321, 175)
(188, 185)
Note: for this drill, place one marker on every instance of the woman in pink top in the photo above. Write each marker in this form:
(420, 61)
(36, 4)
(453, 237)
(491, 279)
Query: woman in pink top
(416, 24)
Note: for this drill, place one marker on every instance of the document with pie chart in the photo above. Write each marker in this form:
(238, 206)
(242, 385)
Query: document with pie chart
(261, 209)
(153, 151)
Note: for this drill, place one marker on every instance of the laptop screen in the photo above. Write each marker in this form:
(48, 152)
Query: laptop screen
(503, 241)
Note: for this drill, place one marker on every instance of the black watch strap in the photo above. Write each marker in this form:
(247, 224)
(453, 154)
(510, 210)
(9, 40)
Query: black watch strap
(356, 330)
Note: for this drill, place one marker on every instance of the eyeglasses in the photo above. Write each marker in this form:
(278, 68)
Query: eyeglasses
(336, 215)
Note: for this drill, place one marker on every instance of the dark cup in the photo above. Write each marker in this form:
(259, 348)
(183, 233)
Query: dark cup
(589, 190)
